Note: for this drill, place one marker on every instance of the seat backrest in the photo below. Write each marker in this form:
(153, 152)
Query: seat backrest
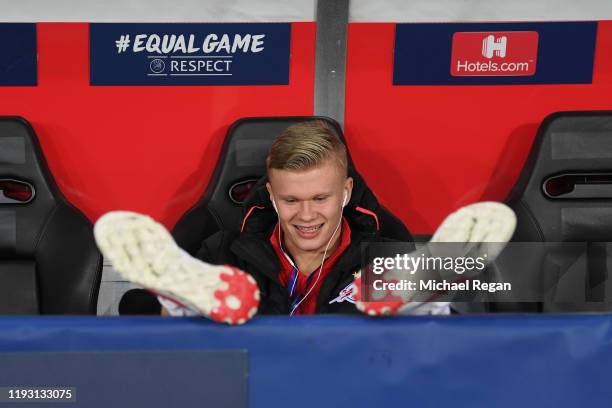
(241, 163)
(48, 257)
(564, 192)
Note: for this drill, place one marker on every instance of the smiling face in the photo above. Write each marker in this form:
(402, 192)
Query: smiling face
(309, 205)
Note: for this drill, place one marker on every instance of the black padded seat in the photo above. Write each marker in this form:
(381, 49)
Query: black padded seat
(241, 167)
(564, 194)
(49, 262)
(241, 163)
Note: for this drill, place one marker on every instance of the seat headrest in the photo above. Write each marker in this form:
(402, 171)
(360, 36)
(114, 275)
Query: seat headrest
(22, 164)
(241, 164)
(565, 189)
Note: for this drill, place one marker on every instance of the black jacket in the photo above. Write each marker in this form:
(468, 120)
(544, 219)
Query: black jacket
(252, 252)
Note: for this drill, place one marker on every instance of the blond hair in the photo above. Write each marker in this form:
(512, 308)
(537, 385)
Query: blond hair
(306, 145)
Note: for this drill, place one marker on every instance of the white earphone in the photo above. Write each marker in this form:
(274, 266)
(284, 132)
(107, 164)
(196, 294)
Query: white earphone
(344, 203)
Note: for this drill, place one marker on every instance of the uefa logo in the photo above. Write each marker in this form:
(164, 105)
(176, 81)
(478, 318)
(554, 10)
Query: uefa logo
(157, 66)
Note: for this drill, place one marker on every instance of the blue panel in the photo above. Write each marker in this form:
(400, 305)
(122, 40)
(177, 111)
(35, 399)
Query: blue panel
(459, 361)
(105, 379)
(565, 53)
(17, 54)
(190, 54)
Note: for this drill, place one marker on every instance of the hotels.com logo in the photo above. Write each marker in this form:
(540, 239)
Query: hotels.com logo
(492, 46)
(512, 53)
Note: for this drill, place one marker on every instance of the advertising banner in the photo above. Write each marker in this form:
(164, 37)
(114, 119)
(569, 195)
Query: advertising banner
(494, 53)
(189, 54)
(17, 54)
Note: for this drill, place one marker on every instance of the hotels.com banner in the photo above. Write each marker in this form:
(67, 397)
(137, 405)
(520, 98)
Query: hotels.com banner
(494, 53)
(503, 53)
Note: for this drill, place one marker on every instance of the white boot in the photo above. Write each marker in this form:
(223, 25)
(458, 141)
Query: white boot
(144, 252)
(484, 227)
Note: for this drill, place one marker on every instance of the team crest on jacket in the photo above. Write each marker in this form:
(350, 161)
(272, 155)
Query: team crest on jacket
(348, 294)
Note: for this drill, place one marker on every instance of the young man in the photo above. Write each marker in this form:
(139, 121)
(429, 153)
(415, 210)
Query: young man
(298, 252)
(303, 227)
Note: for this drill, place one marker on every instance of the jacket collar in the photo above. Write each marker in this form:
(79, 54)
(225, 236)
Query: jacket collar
(259, 215)
(256, 249)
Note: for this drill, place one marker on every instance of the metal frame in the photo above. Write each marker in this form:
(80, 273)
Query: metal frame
(330, 59)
